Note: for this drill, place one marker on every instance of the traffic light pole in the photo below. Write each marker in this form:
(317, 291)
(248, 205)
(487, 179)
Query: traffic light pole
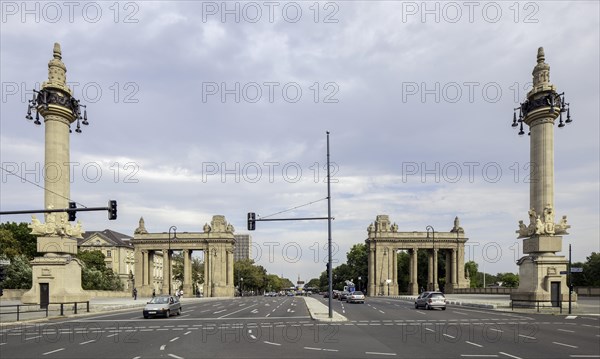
(329, 269)
(252, 226)
(112, 209)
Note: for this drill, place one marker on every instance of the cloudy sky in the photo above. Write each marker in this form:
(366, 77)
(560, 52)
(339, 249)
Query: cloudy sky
(203, 108)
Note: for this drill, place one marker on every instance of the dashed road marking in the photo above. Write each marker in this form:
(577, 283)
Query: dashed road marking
(53, 351)
(89, 341)
(475, 344)
(379, 353)
(510, 356)
(566, 345)
(271, 343)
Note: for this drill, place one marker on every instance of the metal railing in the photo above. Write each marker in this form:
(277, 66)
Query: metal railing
(43, 309)
(537, 304)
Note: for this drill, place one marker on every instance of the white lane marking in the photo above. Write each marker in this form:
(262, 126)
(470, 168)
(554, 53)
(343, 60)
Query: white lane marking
(457, 312)
(565, 330)
(174, 339)
(584, 356)
(237, 311)
(186, 333)
(162, 347)
(89, 341)
(330, 350)
(220, 311)
(53, 351)
(566, 345)
(511, 356)
(431, 330)
(381, 311)
(267, 315)
(266, 342)
(420, 312)
(378, 353)
(479, 355)
(112, 335)
(311, 348)
(570, 317)
(475, 344)
(496, 330)
(526, 336)
(39, 336)
(175, 356)
(449, 336)
(2, 344)
(254, 311)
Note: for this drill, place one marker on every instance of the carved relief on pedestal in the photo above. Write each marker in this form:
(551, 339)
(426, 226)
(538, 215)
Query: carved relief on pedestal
(53, 229)
(543, 226)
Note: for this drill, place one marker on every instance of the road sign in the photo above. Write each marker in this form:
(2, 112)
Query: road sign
(563, 272)
(576, 270)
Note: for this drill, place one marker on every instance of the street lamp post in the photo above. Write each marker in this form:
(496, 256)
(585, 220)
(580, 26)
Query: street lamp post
(241, 287)
(434, 254)
(360, 283)
(174, 229)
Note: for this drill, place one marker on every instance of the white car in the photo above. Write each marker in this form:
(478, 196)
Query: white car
(355, 297)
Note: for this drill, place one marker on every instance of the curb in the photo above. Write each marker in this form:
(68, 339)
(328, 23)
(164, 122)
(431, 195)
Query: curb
(320, 312)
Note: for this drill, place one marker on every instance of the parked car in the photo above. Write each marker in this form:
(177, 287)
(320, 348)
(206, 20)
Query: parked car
(355, 297)
(163, 305)
(431, 300)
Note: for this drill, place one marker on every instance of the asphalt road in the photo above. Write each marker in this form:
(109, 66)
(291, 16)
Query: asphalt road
(281, 327)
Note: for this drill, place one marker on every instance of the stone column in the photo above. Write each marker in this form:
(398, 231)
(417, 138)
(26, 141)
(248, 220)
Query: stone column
(145, 269)
(165, 270)
(206, 285)
(435, 270)
(371, 279)
(187, 272)
(394, 290)
(151, 271)
(414, 285)
(430, 270)
(449, 270)
(454, 268)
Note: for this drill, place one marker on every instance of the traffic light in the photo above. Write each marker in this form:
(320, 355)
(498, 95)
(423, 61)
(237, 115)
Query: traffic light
(251, 221)
(72, 214)
(112, 209)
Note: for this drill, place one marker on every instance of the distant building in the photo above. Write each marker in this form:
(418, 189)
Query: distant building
(118, 251)
(243, 247)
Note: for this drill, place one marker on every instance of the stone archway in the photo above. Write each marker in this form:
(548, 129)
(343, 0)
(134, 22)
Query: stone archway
(384, 241)
(216, 241)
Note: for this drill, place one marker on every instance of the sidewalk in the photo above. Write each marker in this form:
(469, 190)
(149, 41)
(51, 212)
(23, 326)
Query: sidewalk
(500, 302)
(33, 312)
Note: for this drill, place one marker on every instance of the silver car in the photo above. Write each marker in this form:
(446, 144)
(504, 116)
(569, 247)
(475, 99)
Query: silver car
(431, 300)
(163, 305)
(355, 297)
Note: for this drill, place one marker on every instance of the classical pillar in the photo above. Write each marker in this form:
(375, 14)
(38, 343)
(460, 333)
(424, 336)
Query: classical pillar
(414, 285)
(394, 272)
(430, 270)
(448, 280)
(435, 270)
(206, 284)
(151, 272)
(372, 279)
(145, 268)
(165, 274)
(454, 270)
(187, 272)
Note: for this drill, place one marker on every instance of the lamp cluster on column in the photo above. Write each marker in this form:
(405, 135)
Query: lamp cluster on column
(543, 95)
(55, 97)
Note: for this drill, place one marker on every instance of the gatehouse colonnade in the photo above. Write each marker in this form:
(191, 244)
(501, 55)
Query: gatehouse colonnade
(384, 241)
(217, 242)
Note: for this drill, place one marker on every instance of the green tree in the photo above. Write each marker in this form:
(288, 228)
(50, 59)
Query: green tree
(26, 243)
(591, 269)
(18, 273)
(357, 260)
(509, 280)
(95, 275)
(9, 246)
(472, 268)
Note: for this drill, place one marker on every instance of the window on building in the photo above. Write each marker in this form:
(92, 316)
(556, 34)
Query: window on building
(108, 254)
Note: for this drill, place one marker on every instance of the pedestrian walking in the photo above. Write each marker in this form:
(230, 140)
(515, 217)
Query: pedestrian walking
(153, 293)
(134, 293)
